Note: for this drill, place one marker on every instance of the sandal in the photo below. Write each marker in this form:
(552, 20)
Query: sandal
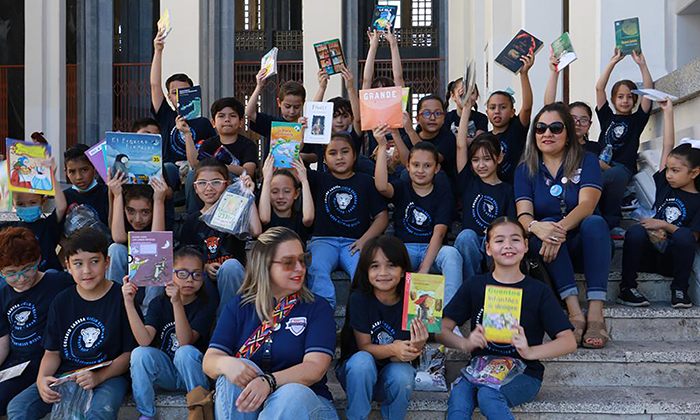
(596, 335)
(579, 327)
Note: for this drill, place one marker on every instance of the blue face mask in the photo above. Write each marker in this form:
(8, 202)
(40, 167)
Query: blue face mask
(91, 186)
(29, 214)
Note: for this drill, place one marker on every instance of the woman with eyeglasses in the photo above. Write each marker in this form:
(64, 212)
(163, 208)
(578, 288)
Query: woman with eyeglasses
(557, 188)
(275, 340)
(25, 297)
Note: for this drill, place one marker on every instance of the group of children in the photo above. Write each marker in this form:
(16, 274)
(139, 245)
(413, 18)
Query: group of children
(449, 161)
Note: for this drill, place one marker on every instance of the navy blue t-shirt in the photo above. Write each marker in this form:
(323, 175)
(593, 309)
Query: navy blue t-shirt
(96, 200)
(295, 222)
(309, 328)
(622, 132)
(25, 314)
(173, 141)
(512, 145)
(216, 246)
(592, 147)
(446, 144)
(675, 206)
(482, 203)
(160, 316)
(415, 217)
(242, 151)
(477, 121)
(540, 313)
(47, 231)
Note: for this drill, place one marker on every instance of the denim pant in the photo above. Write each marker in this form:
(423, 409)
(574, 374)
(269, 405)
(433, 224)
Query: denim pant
(638, 254)
(471, 247)
(119, 267)
(151, 367)
(106, 400)
(327, 253)
(392, 385)
(588, 246)
(448, 262)
(494, 404)
(290, 402)
(615, 182)
(229, 279)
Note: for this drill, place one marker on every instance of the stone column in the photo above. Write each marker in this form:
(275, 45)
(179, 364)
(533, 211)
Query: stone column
(217, 44)
(321, 21)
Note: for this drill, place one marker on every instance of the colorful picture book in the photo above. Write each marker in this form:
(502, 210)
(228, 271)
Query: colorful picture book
(285, 143)
(165, 23)
(655, 95)
(563, 50)
(424, 298)
(501, 313)
(96, 156)
(522, 44)
(13, 372)
(139, 156)
(229, 210)
(405, 96)
(627, 36)
(468, 81)
(189, 102)
(26, 164)
(330, 56)
(269, 62)
(5, 193)
(384, 17)
(381, 106)
(68, 376)
(150, 258)
(320, 119)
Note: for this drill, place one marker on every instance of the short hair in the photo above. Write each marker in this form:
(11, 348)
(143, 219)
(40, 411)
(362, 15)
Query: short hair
(624, 82)
(144, 122)
(211, 164)
(18, 246)
(505, 94)
(137, 191)
(430, 97)
(178, 77)
(292, 88)
(229, 102)
(188, 252)
(382, 81)
(76, 152)
(341, 105)
(86, 239)
(424, 146)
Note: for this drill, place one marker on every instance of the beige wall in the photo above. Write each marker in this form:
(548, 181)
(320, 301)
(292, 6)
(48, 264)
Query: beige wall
(321, 21)
(185, 35)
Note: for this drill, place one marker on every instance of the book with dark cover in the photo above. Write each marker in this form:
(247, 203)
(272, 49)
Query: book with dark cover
(522, 44)
(189, 102)
(384, 17)
(627, 36)
(329, 55)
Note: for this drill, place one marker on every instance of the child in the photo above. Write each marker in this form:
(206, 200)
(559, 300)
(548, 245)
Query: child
(146, 126)
(376, 354)
(478, 122)
(25, 301)
(511, 129)
(349, 211)
(173, 335)
(620, 130)
(422, 211)
(666, 243)
(85, 191)
(87, 325)
(279, 194)
(540, 313)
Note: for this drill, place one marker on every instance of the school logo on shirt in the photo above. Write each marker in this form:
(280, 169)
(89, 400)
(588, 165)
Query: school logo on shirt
(673, 211)
(505, 166)
(382, 333)
(168, 339)
(296, 325)
(82, 339)
(417, 220)
(177, 140)
(484, 210)
(212, 243)
(339, 202)
(615, 133)
(22, 317)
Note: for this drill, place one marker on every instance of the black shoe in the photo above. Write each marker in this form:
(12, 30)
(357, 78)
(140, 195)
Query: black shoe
(680, 299)
(632, 297)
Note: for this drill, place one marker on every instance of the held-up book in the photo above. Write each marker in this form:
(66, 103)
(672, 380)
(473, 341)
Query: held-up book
(381, 106)
(320, 117)
(13, 372)
(405, 95)
(627, 36)
(150, 258)
(139, 156)
(330, 56)
(424, 297)
(68, 376)
(522, 44)
(468, 81)
(229, 210)
(502, 313)
(563, 50)
(655, 95)
(165, 23)
(189, 102)
(5, 193)
(96, 156)
(269, 63)
(285, 143)
(27, 169)
(384, 17)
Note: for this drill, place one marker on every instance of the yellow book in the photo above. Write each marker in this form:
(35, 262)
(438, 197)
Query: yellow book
(27, 167)
(502, 313)
(424, 297)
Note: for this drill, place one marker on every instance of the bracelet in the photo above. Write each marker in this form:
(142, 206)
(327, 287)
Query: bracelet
(529, 226)
(525, 213)
(271, 381)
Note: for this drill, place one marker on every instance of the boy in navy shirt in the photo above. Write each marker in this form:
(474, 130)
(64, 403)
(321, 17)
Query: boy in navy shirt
(85, 192)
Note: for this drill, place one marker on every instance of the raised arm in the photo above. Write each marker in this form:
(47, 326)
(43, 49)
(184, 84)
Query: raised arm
(368, 75)
(157, 96)
(354, 97)
(647, 81)
(160, 189)
(251, 109)
(308, 210)
(600, 95)
(322, 85)
(550, 93)
(526, 109)
(669, 132)
(396, 67)
(115, 183)
(381, 175)
(265, 206)
(463, 137)
(143, 334)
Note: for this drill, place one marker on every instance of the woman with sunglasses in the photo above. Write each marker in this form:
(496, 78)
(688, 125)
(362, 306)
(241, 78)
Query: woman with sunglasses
(557, 188)
(275, 340)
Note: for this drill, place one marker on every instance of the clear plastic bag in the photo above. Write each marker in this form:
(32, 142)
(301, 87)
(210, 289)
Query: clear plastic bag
(74, 404)
(231, 213)
(492, 371)
(430, 375)
(641, 213)
(80, 216)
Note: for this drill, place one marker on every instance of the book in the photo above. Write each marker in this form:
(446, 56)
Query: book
(468, 81)
(405, 95)
(68, 376)
(96, 156)
(285, 143)
(563, 50)
(329, 55)
(137, 155)
(384, 17)
(501, 313)
(320, 116)
(382, 105)
(654, 95)
(269, 63)
(627, 36)
(165, 23)
(189, 102)
(522, 44)
(13, 372)
(150, 258)
(228, 210)
(5, 193)
(28, 169)
(424, 296)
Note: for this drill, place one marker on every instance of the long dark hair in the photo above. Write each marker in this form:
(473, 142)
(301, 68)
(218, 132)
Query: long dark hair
(691, 157)
(488, 142)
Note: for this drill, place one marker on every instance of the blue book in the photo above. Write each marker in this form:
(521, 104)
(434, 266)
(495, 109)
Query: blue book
(189, 102)
(137, 155)
(384, 17)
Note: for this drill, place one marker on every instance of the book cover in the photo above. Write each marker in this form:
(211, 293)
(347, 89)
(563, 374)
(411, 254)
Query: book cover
(269, 62)
(96, 156)
(229, 210)
(655, 95)
(522, 44)
(189, 102)
(501, 313)
(405, 95)
(384, 17)
(165, 23)
(68, 375)
(424, 296)
(627, 36)
(27, 169)
(285, 143)
(382, 105)
(468, 81)
(563, 50)
(150, 258)
(13, 372)
(137, 155)
(320, 117)
(5, 193)
(329, 55)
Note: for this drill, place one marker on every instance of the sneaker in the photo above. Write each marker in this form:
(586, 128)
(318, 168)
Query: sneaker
(617, 233)
(632, 297)
(680, 299)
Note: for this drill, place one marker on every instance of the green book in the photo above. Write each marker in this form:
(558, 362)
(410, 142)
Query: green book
(627, 36)
(563, 50)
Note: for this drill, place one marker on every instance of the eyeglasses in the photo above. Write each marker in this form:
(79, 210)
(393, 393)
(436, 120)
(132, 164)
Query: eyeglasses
(555, 128)
(290, 263)
(581, 121)
(428, 114)
(27, 272)
(215, 183)
(184, 274)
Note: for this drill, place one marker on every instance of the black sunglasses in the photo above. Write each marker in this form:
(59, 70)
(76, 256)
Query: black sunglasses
(556, 127)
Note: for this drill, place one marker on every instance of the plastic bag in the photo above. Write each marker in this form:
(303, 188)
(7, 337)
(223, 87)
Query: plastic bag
(80, 216)
(641, 213)
(74, 404)
(430, 375)
(231, 213)
(493, 371)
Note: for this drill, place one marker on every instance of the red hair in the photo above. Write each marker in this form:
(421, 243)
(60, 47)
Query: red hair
(18, 246)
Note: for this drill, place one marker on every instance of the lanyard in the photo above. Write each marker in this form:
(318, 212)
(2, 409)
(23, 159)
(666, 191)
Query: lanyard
(262, 335)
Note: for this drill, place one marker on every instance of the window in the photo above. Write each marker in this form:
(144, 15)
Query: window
(415, 97)
(251, 20)
(422, 13)
(397, 3)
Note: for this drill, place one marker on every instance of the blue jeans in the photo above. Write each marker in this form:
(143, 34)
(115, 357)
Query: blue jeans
(151, 367)
(229, 279)
(615, 182)
(588, 246)
(327, 253)
(290, 402)
(471, 247)
(494, 404)
(448, 262)
(119, 267)
(393, 386)
(106, 400)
